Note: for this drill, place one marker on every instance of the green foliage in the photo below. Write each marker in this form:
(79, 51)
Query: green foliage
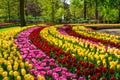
(59, 10)
(8, 8)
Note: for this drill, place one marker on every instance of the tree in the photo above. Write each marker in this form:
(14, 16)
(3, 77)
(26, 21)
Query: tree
(22, 18)
(52, 13)
(50, 9)
(116, 4)
(8, 10)
(85, 9)
(76, 9)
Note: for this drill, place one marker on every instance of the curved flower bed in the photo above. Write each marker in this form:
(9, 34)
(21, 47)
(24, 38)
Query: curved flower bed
(42, 64)
(94, 36)
(92, 43)
(12, 66)
(59, 57)
(69, 44)
(80, 48)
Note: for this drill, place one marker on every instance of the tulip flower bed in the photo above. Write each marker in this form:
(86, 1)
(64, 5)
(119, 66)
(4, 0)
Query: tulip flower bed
(94, 36)
(6, 25)
(77, 63)
(51, 53)
(43, 64)
(12, 66)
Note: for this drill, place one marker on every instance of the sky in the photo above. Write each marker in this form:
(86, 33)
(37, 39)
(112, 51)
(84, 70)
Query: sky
(68, 1)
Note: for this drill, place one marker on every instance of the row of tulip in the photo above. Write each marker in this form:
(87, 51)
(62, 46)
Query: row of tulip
(42, 63)
(69, 43)
(75, 66)
(91, 41)
(12, 67)
(93, 34)
(80, 47)
(6, 24)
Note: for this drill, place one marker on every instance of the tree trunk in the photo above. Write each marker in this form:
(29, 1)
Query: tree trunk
(64, 9)
(85, 11)
(119, 13)
(52, 13)
(8, 11)
(96, 10)
(22, 18)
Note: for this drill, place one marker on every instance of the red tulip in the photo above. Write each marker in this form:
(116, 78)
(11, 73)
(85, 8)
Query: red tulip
(78, 72)
(105, 78)
(99, 75)
(111, 71)
(86, 72)
(92, 77)
(113, 78)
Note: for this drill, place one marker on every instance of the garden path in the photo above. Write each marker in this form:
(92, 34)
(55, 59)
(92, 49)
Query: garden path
(111, 31)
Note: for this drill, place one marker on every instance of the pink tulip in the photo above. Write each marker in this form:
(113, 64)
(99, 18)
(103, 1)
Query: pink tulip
(81, 78)
(49, 72)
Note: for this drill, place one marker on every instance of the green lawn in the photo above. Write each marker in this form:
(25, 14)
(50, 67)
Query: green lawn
(10, 28)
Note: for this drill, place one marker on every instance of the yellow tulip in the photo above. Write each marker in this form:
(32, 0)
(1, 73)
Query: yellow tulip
(23, 71)
(92, 58)
(110, 58)
(11, 61)
(8, 62)
(11, 73)
(5, 78)
(105, 65)
(112, 66)
(11, 55)
(85, 58)
(83, 54)
(9, 67)
(31, 78)
(18, 78)
(30, 66)
(4, 74)
(73, 54)
(1, 61)
(98, 62)
(20, 57)
(15, 67)
(26, 64)
(0, 55)
(96, 56)
(118, 66)
(5, 62)
(25, 76)
(40, 77)
(15, 73)
(22, 65)
(1, 71)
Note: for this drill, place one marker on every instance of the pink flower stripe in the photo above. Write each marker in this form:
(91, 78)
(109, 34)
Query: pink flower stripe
(42, 64)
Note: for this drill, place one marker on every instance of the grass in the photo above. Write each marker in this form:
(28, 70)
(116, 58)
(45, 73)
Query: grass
(9, 28)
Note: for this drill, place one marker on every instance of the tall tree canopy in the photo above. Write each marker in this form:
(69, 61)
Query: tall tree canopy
(59, 10)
